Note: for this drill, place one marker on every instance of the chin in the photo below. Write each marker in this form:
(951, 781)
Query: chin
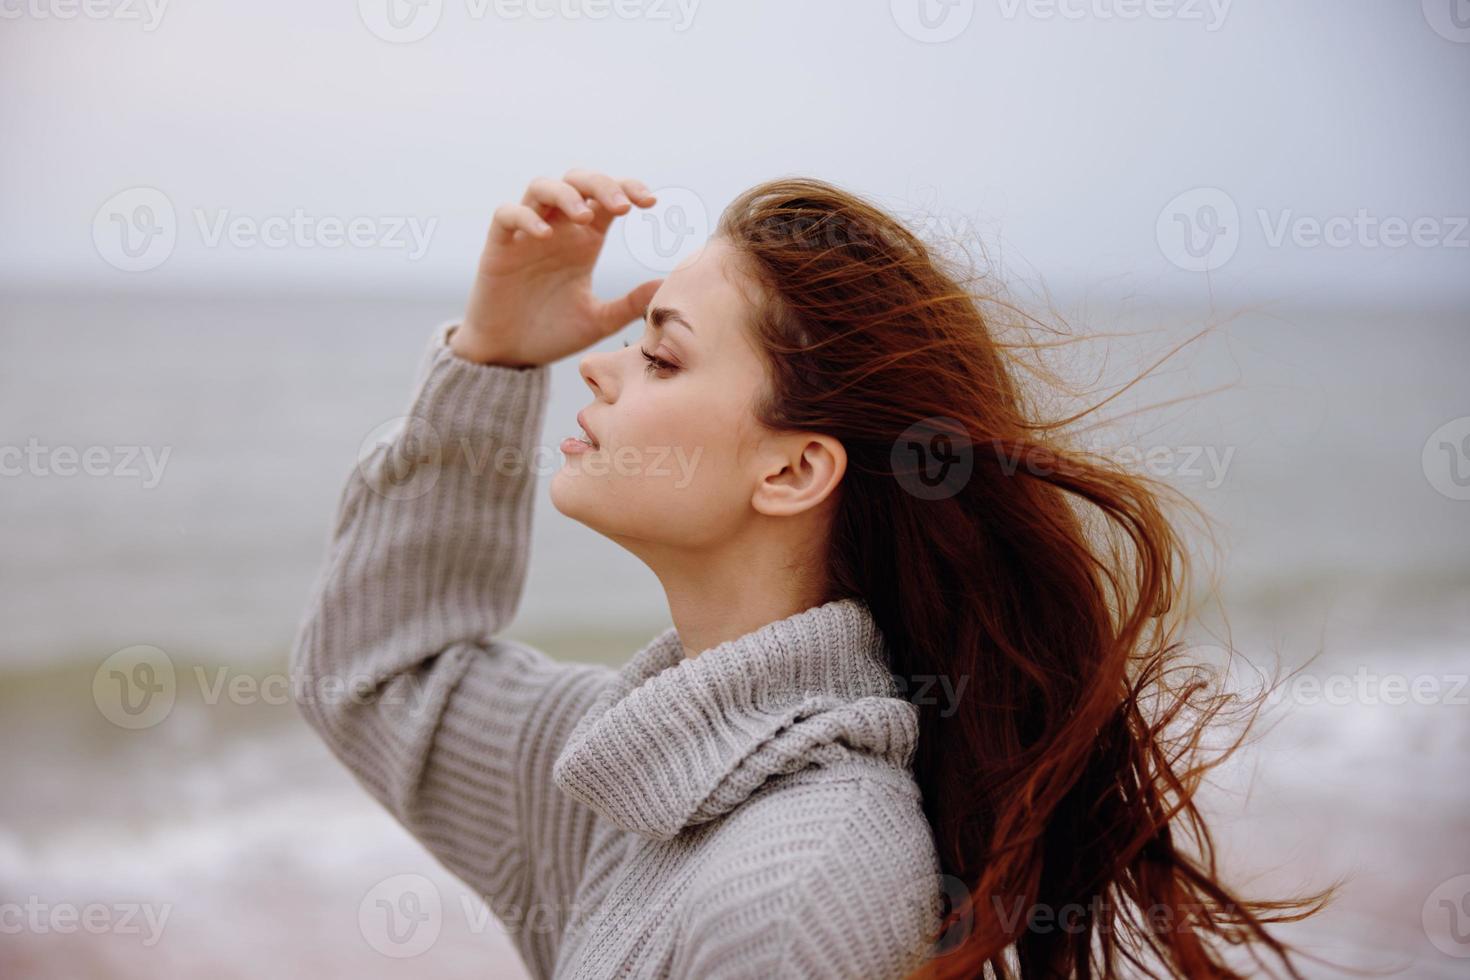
(571, 494)
(563, 496)
(586, 500)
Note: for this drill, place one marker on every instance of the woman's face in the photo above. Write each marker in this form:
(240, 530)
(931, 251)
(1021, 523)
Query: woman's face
(679, 453)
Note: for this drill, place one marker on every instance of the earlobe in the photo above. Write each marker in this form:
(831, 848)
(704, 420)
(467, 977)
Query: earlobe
(805, 470)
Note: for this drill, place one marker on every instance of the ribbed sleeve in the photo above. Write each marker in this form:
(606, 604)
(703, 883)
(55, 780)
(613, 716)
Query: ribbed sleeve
(400, 665)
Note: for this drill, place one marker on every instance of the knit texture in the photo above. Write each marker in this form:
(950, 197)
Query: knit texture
(748, 812)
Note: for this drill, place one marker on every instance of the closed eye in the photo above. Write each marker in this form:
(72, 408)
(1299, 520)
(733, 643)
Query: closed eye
(655, 363)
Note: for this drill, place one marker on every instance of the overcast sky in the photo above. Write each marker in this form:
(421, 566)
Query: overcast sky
(1314, 151)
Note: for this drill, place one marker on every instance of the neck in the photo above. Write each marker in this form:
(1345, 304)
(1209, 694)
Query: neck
(721, 593)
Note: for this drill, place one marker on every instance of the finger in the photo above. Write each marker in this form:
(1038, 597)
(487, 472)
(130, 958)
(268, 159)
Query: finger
(614, 314)
(510, 218)
(557, 195)
(634, 190)
(599, 187)
(638, 191)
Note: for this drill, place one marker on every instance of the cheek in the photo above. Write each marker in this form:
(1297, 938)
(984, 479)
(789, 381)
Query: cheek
(700, 492)
(685, 452)
(695, 431)
(674, 474)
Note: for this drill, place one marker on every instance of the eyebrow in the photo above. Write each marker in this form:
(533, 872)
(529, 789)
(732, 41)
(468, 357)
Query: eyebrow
(659, 315)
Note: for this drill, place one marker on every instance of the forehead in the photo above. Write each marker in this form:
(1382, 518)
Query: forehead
(707, 286)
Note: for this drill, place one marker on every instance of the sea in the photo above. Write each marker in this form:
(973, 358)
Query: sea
(170, 471)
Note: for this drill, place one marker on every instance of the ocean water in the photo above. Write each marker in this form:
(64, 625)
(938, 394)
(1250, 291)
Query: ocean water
(1318, 453)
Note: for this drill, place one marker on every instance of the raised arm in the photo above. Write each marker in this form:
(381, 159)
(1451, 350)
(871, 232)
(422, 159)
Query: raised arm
(400, 664)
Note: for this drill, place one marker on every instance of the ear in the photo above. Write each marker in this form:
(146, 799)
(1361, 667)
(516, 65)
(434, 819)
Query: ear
(801, 470)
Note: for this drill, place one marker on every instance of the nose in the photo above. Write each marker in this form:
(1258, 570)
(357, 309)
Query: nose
(596, 370)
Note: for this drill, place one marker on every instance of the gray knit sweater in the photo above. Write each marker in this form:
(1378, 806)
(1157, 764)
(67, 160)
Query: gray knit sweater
(749, 812)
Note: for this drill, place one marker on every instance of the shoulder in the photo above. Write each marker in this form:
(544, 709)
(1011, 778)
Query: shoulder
(829, 872)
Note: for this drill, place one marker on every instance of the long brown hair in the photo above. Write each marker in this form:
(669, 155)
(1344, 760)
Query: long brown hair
(1052, 582)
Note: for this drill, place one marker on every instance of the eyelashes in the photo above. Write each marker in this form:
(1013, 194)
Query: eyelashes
(655, 363)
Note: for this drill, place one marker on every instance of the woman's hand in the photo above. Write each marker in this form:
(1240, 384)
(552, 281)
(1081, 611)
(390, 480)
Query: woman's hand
(532, 300)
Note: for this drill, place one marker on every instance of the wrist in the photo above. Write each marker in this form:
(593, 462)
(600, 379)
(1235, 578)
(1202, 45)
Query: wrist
(467, 345)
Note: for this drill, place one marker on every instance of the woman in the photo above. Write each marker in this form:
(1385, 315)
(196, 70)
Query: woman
(906, 675)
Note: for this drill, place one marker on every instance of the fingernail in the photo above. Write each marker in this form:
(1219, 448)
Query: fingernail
(621, 198)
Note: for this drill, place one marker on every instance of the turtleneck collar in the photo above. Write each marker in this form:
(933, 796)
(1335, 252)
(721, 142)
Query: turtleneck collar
(677, 741)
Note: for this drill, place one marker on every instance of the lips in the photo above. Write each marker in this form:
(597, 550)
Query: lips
(591, 436)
